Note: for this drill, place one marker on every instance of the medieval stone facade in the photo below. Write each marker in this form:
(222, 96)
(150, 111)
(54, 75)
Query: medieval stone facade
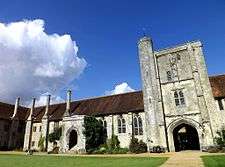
(180, 107)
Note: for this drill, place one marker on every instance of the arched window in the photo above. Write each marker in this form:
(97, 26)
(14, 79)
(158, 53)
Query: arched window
(138, 126)
(179, 98)
(169, 75)
(121, 125)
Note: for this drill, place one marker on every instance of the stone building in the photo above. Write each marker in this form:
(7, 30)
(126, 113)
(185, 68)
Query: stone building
(180, 107)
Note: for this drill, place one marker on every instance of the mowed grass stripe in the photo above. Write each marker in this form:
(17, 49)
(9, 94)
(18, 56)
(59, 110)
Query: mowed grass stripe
(64, 161)
(214, 160)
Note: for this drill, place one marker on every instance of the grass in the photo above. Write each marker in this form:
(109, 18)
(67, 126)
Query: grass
(66, 161)
(214, 160)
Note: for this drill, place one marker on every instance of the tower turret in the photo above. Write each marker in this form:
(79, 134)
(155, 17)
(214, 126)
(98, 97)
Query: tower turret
(150, 90)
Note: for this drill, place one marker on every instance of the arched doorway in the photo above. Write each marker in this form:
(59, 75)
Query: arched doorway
(72, 139)
(185, 138)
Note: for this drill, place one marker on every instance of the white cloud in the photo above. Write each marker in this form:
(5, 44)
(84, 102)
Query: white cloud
(121, 88)
(41, 101)
(33, 62)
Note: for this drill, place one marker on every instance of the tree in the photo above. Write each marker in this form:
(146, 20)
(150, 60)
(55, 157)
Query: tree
(220, 140)
(52, 137)
(41, 143)
(94, 132)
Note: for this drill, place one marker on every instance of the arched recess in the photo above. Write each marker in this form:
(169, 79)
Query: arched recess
(72, 137)
(181, 129)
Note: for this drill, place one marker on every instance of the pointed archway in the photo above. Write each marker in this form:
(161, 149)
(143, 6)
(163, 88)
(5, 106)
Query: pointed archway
(185, 138)
(72, 139)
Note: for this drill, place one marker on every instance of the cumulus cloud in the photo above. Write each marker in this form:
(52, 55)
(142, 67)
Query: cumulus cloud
(120, 88)
(41, 101)
(33, 62)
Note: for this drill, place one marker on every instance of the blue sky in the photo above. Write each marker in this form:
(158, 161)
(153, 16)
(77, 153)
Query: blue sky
(107, 32)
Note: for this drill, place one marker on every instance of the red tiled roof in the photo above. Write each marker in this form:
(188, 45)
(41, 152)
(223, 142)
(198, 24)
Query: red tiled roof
(115, 104)
(6, 111)
(218, 85)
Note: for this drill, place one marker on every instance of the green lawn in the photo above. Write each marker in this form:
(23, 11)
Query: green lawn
(214, 161)
(65, 161)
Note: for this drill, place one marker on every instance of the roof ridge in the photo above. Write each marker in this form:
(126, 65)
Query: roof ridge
(216, 75)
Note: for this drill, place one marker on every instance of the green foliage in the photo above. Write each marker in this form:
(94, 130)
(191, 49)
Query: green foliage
(220, 140)
(113, 143)
(52, 137)
(94, 132)
(104, 150)
(41, 143)
(137, 146)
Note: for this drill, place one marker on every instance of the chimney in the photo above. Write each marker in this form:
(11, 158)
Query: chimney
(32, 109)
(16, 107)
(48, 98)
(68, 100)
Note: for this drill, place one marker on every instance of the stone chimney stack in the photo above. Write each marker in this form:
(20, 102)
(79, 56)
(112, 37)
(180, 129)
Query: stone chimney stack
(30, 124)
(16, 106)
(32, 109)
(68, 100)
(45, 121)
(48, 98)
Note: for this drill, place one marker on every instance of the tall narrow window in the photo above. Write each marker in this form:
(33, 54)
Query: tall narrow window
(220, 103)
(56, 125)
(121, 125)
(119, 122)
(34, 129)
(179, 98)
(169, 75)
(137, 123)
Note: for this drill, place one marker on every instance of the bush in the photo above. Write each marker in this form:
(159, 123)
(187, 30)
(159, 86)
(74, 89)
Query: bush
(94, 133)
(220, 140)
(120, 151)
(52, 137)
(137, 146)
(213, 150)
(41, 143)
(113, 143)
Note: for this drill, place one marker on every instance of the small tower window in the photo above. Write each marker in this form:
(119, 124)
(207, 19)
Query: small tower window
(169, 75)
(179, 98)
(220, 104)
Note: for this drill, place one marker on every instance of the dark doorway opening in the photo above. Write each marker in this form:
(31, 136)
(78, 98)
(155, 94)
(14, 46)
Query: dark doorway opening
(185, 138)
(72, 139)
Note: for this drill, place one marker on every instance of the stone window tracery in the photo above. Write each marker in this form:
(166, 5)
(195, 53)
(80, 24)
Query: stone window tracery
(179, 98)
(121, 125)
(138, 126)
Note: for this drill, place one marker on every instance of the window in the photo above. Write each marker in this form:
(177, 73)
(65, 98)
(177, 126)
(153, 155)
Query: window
(169, 75)
(105, 124)
(179, 98)
(137, 123)
(32, 143)
(56, 126)
(34, 129)
(121, 125)
(220, 103)
(40, 128)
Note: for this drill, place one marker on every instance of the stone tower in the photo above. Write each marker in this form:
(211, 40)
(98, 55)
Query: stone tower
(150, 92)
